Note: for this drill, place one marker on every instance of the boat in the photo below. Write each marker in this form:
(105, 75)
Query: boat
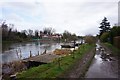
(67, 46)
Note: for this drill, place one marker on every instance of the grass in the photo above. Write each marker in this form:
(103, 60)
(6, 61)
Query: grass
(87, 66)
(114, 50)
(52, 70)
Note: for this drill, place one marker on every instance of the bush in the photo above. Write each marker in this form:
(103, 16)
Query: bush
(104, 37)
(62, 51)
(115, 31)
(90, 39)
(116, 42)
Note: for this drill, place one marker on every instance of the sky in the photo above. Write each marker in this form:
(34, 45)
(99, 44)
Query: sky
(82, 17)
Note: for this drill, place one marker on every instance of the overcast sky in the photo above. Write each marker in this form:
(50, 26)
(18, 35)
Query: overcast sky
(77, 16)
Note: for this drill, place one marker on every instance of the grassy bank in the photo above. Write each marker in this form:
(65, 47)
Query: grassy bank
(114, 50)
(88, 64)
(53, 70)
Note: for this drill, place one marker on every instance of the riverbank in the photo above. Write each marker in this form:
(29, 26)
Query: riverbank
(57, 67)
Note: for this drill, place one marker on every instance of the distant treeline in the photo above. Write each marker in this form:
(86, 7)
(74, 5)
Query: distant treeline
(11, 34)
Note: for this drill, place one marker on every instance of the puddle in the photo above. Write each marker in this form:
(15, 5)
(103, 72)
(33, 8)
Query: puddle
(104, 65)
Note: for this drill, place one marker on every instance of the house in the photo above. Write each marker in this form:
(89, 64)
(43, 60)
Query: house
(50, 37)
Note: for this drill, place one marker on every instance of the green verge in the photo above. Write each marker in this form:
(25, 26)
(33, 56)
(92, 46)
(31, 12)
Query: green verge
(114, 50)
(87, 65)
(53, 70)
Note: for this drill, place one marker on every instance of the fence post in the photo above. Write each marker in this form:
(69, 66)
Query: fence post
(30, 54)
(38, 52)
(20, 54)
(17, 53)
(73, 55)
(59, 66)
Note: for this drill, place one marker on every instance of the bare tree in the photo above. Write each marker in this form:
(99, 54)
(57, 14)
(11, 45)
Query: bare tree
(90, 39)
(30, 32)
(49, 30)
(36, 33)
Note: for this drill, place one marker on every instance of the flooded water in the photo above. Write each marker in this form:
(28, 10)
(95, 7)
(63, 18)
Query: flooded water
(104, 65)
(19, 51)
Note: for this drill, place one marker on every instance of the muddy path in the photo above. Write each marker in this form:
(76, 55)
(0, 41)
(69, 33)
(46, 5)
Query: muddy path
(104, 64)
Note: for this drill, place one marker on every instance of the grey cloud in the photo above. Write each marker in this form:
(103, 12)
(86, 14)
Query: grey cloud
(77, 17)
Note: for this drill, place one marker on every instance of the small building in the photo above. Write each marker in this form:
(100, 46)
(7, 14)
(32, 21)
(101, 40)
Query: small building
(50, 37)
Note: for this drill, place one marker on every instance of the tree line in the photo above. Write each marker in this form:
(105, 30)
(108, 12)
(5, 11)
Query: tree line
(11, 34)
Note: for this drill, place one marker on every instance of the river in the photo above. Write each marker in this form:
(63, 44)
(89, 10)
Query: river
(104, 65)
(18, 51)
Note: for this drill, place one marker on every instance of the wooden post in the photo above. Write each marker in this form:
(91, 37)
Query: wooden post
(20, 54)
(44, 52)
(30, 54)
(17, 53)
(59, 63)
(83, 47)
(38, 52)
(74, 44)
(73, 55)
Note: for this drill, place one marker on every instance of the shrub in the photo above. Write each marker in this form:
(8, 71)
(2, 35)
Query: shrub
(90, 39)
(104, 37)
(62, 51)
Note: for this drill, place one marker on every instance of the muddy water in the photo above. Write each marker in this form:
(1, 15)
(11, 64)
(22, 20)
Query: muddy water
(104, 65)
